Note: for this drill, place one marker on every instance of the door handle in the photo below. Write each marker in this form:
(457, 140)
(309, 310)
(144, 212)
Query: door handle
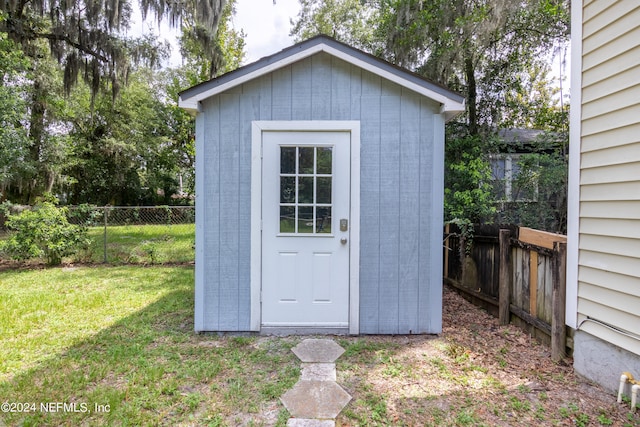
(343, 240)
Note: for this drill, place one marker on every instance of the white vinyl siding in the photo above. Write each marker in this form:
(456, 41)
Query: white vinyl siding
(609, 229)
(618, 209)
(611, 173)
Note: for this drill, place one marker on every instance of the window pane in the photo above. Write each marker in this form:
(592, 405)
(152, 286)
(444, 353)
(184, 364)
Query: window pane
(287, 189)
(287, 219)
(498, 168)
(305, 160)
(323, 220)
(515, 169)
(305, 219)
(499, 190)
(324, 160)
(287, 159)
(305, 189)
(323, 190)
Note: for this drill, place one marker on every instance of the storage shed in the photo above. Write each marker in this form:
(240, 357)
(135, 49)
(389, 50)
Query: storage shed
(319, 194)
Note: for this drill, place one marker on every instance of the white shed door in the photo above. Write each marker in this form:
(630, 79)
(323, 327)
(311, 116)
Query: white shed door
(305, 229)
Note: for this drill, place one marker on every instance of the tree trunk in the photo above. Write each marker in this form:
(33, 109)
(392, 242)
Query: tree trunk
(471, 93)
(36, 135)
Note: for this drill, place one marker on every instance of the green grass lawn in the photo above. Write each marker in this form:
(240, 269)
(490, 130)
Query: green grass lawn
(136, 244)
(121, 339)
(144, 244)
(116, 346)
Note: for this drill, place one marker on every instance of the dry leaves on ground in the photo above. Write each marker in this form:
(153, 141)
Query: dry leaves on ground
(475, 373)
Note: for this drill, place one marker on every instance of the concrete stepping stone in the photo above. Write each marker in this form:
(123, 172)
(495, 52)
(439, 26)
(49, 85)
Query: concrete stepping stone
(318, 371)
(315, 399)
(318, 351)
(302, 422)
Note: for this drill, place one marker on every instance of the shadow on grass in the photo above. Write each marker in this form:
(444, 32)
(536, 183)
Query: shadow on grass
(150, 368)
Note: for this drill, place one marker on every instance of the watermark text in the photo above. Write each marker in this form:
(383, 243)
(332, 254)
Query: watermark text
(53, 407)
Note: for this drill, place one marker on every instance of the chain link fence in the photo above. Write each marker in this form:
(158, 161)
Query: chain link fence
(132, 235)
(141, 234)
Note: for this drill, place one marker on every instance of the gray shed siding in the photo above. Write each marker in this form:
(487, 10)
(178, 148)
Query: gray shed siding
(400, 195)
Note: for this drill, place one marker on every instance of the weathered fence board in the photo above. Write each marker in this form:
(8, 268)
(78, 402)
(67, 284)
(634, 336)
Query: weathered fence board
(515, 269)
(548, 289)
(543, 239)
(533, 279)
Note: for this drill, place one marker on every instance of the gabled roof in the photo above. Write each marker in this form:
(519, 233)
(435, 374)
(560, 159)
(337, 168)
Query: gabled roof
(451, 102)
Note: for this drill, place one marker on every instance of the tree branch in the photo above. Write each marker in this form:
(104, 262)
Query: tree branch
(67, 39)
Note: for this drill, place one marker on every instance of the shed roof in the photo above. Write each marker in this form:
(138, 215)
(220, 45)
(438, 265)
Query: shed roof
(451, 103)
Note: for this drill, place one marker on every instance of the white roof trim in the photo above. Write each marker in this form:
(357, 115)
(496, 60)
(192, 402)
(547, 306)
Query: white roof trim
(192, 102)
(449, 107)
(447, 103)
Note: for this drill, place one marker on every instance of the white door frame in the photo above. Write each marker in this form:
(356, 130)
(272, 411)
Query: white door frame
(257, 128)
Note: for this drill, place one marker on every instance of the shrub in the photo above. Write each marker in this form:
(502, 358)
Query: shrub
(43, 232)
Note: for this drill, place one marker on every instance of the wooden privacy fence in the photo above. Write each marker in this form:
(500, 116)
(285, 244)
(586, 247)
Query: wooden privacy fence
(515, 273)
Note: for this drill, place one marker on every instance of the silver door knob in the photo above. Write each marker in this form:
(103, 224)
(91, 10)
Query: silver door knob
(343, 240)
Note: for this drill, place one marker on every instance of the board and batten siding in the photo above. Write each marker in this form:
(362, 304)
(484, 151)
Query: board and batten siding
(609, 211)
(401, 183)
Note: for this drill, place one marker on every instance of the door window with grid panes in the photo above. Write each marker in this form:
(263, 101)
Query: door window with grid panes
(306, 181)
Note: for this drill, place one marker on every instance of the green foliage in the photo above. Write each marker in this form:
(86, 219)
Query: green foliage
(491, 51)
(351, 21)
(539, 190)
(494, 52)
(228, 47)
(43, 232)
(90, 40)
(467, 194)
(604, 420)
(93, 139)
(122, 152)
(14, 142)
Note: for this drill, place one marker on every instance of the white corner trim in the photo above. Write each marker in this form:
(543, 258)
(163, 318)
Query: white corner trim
(575, 143)
(257, 128)
(199, 270)
(256, 226)
(354, 247)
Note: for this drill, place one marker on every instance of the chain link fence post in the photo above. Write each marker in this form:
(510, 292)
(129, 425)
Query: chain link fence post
(105, 235)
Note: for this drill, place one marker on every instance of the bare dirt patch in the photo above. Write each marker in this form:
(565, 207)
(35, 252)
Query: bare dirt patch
(475, 373)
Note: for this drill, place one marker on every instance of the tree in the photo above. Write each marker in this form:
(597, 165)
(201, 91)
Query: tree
(229, 47)
(87, 39)
(481, 48)
(115, 146)
(14, 143)
(542, 179)
(351, 21)
(495, 52)
(134, 149)
(181, 125)
(86, 36)
(467, 180)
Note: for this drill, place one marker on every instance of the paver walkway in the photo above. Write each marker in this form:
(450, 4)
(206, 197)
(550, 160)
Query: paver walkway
(316, 399)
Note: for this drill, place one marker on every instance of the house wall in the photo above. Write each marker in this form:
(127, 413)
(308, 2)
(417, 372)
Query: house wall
(400, 196)
(608, 277)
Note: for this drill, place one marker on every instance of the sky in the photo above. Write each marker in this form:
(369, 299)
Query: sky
(265, 23)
